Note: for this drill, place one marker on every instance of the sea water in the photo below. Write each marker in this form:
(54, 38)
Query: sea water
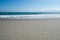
(29, 15)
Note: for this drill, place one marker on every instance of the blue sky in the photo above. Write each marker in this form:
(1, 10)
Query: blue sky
(29, 5)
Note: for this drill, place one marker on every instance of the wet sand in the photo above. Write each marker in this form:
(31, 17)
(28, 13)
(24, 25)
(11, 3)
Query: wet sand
(42, 29)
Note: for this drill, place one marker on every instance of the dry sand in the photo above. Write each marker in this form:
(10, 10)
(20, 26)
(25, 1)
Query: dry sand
(43, 29)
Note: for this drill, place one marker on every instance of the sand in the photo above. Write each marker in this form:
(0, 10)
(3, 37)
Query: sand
(42, 29)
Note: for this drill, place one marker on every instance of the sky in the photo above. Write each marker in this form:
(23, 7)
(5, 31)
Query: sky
(29, 5)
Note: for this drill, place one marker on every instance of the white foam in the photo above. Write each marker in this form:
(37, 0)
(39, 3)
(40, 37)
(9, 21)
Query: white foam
(41, 16)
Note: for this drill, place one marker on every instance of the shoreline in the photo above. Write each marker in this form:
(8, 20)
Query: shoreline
(39, 16)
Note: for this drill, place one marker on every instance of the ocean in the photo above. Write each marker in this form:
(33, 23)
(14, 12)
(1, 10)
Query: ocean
(29, 15)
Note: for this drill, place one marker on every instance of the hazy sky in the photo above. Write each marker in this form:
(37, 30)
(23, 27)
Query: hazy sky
(29, 5)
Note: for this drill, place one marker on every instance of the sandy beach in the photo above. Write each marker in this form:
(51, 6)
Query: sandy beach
(42, 29)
